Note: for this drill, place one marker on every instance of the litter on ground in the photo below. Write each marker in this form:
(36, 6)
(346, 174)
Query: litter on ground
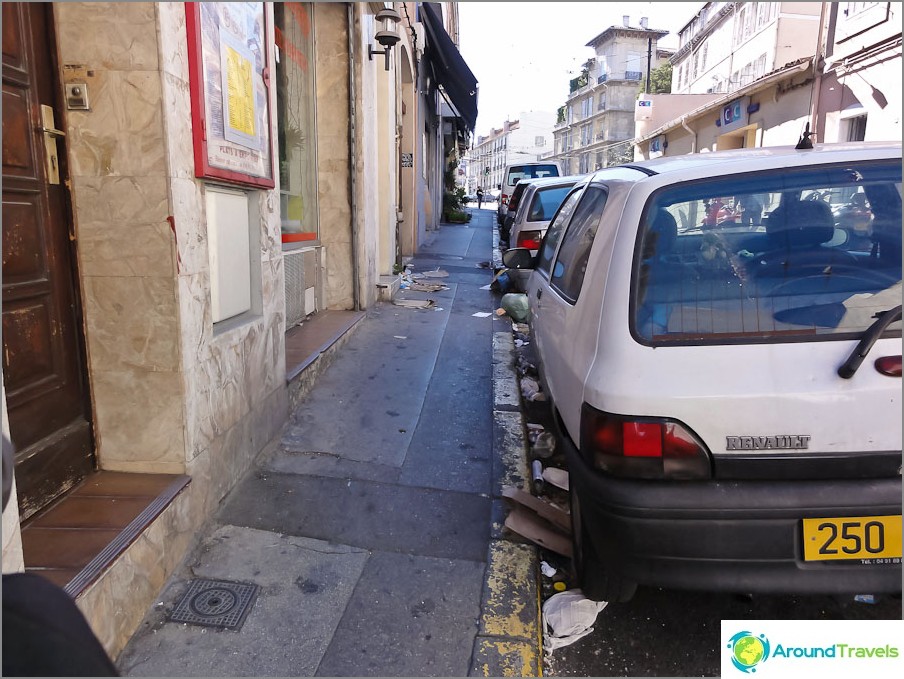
(414, 303)
(482, 314)
(567, 617)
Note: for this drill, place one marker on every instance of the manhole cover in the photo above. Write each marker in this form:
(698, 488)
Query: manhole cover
(215, 603)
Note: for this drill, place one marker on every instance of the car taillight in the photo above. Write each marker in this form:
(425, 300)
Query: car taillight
(889, 365)
(529, 239)
(504, 199)
(642, 447)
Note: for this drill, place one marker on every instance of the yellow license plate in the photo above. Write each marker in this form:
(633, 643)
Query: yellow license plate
(854, 537)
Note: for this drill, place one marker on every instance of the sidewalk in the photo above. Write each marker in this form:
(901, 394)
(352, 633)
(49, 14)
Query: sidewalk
(373, 527)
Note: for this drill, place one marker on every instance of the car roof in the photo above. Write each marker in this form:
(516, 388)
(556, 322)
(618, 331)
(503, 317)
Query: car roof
(753, 159)
(553, 181)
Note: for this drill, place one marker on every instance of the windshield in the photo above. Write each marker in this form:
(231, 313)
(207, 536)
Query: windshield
(809, 253)
(545, 203)
(519, 172)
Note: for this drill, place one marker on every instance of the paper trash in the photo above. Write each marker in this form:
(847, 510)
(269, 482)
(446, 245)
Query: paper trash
(567, 617)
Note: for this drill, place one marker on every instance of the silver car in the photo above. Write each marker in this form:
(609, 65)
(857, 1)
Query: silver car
(538, 204)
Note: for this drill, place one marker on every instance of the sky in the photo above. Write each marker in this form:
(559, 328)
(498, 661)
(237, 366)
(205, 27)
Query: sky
(524, 53)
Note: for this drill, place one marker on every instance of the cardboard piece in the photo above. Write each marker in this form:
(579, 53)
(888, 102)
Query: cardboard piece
(556, 477)
(557, 517)
(535, 529)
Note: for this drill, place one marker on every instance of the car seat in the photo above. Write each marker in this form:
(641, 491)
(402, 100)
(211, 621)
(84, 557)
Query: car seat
(796, 231)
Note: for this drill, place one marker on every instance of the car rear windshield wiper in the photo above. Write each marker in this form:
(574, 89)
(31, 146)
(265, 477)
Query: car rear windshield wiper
(873, 332)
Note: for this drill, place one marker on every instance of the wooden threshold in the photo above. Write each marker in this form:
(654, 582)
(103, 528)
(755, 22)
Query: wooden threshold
(76, 539)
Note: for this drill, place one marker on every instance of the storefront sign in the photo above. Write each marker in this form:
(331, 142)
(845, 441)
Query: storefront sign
(657, 146)
(228, 72)
(733, 115)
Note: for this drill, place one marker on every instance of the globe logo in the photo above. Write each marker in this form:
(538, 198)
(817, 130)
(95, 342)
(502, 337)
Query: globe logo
(748, 651)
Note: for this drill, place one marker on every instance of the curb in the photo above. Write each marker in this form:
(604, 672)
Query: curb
(509, 642)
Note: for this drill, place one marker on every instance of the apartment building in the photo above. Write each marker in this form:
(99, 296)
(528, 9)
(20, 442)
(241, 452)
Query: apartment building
(595, 127)
(527, 139)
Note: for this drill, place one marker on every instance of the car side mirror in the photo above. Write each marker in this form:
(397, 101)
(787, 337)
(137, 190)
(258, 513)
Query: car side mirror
(518, 258)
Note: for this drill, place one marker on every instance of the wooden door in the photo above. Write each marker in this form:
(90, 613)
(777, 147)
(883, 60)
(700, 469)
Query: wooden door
(43, 358)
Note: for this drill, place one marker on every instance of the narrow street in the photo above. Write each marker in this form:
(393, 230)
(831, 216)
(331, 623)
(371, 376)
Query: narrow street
(367, 528)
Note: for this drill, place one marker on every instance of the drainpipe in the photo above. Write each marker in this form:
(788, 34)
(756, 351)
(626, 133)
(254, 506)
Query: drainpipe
(353, 154)
(817, 72)
(694, 142)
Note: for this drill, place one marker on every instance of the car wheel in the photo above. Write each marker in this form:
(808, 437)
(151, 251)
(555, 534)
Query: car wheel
(595, 581)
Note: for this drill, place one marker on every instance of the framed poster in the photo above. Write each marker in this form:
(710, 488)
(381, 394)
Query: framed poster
(229, 78)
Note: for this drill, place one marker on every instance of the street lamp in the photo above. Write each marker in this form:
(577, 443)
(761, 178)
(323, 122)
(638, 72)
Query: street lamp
(387, 35)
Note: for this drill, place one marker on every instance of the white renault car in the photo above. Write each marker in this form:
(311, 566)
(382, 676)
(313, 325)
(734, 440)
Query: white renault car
(723, 357)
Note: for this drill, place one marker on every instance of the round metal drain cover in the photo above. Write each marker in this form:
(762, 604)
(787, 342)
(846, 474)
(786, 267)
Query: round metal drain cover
(215, 603)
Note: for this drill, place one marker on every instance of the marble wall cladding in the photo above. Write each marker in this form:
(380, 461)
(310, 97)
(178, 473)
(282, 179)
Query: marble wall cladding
(138, 417)
(339, 277)
(118, 249)
(333, 154)
(123, 200)
(111, 36)
(121, 134)
(268, 418)
(116, 603)
(192, 256)
(173, 41)
(261, 352)
(132, 323)
(195, 318)
(215, 394)
(178, 136)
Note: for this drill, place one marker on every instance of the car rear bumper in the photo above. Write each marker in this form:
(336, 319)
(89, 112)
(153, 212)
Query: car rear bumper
(728, 535)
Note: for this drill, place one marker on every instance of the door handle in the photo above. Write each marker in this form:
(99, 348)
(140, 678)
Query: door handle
(539, 293)
(51, 134)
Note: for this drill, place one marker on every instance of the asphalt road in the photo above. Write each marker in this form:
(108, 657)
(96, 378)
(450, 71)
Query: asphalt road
(673, 633)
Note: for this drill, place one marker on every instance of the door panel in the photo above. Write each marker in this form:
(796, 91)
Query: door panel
(43, 359)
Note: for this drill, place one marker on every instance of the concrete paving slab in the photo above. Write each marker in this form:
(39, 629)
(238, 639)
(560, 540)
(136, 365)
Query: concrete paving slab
(353, 512)
(316, 464)
(409, 616)
(305, 588)
(449, 449)
(374, 421)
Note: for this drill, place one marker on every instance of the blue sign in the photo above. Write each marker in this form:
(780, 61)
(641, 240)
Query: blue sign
(731, 113)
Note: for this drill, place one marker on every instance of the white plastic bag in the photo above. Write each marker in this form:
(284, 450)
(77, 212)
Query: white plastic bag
(567, 617)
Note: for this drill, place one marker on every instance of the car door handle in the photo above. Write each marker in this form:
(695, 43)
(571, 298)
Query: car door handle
(539, 293)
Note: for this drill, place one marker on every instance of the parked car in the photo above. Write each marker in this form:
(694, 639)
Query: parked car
(728, 396)
(538, 203)
(517, 192)
(515, 172)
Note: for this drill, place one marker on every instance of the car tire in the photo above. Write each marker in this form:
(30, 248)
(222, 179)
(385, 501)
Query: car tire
(595, 581)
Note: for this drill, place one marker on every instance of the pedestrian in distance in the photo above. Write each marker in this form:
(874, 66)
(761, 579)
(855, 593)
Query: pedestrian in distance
(479, 197)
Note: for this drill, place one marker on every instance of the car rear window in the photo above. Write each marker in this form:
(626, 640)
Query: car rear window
(545, 203)
(812, 253)
(518, 172)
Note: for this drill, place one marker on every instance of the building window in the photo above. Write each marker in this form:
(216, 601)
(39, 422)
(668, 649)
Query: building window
(539, 141)
(295, 97)
(602, 105)
(856, 128)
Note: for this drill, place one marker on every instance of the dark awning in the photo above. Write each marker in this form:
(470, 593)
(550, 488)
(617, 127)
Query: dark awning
(449, 68)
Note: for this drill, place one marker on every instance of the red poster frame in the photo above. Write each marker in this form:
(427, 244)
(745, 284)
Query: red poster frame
(203, 168)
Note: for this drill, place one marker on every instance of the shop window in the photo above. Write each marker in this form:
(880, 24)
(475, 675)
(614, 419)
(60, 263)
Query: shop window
(295, 97)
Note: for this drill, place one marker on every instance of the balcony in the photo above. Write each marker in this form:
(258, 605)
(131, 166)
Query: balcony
(601, 79)
(633, 75)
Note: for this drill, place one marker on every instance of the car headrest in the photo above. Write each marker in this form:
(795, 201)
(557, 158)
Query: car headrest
(665, 229)
(807, 222)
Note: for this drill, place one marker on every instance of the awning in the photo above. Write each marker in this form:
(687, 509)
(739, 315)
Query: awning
(449, 68)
